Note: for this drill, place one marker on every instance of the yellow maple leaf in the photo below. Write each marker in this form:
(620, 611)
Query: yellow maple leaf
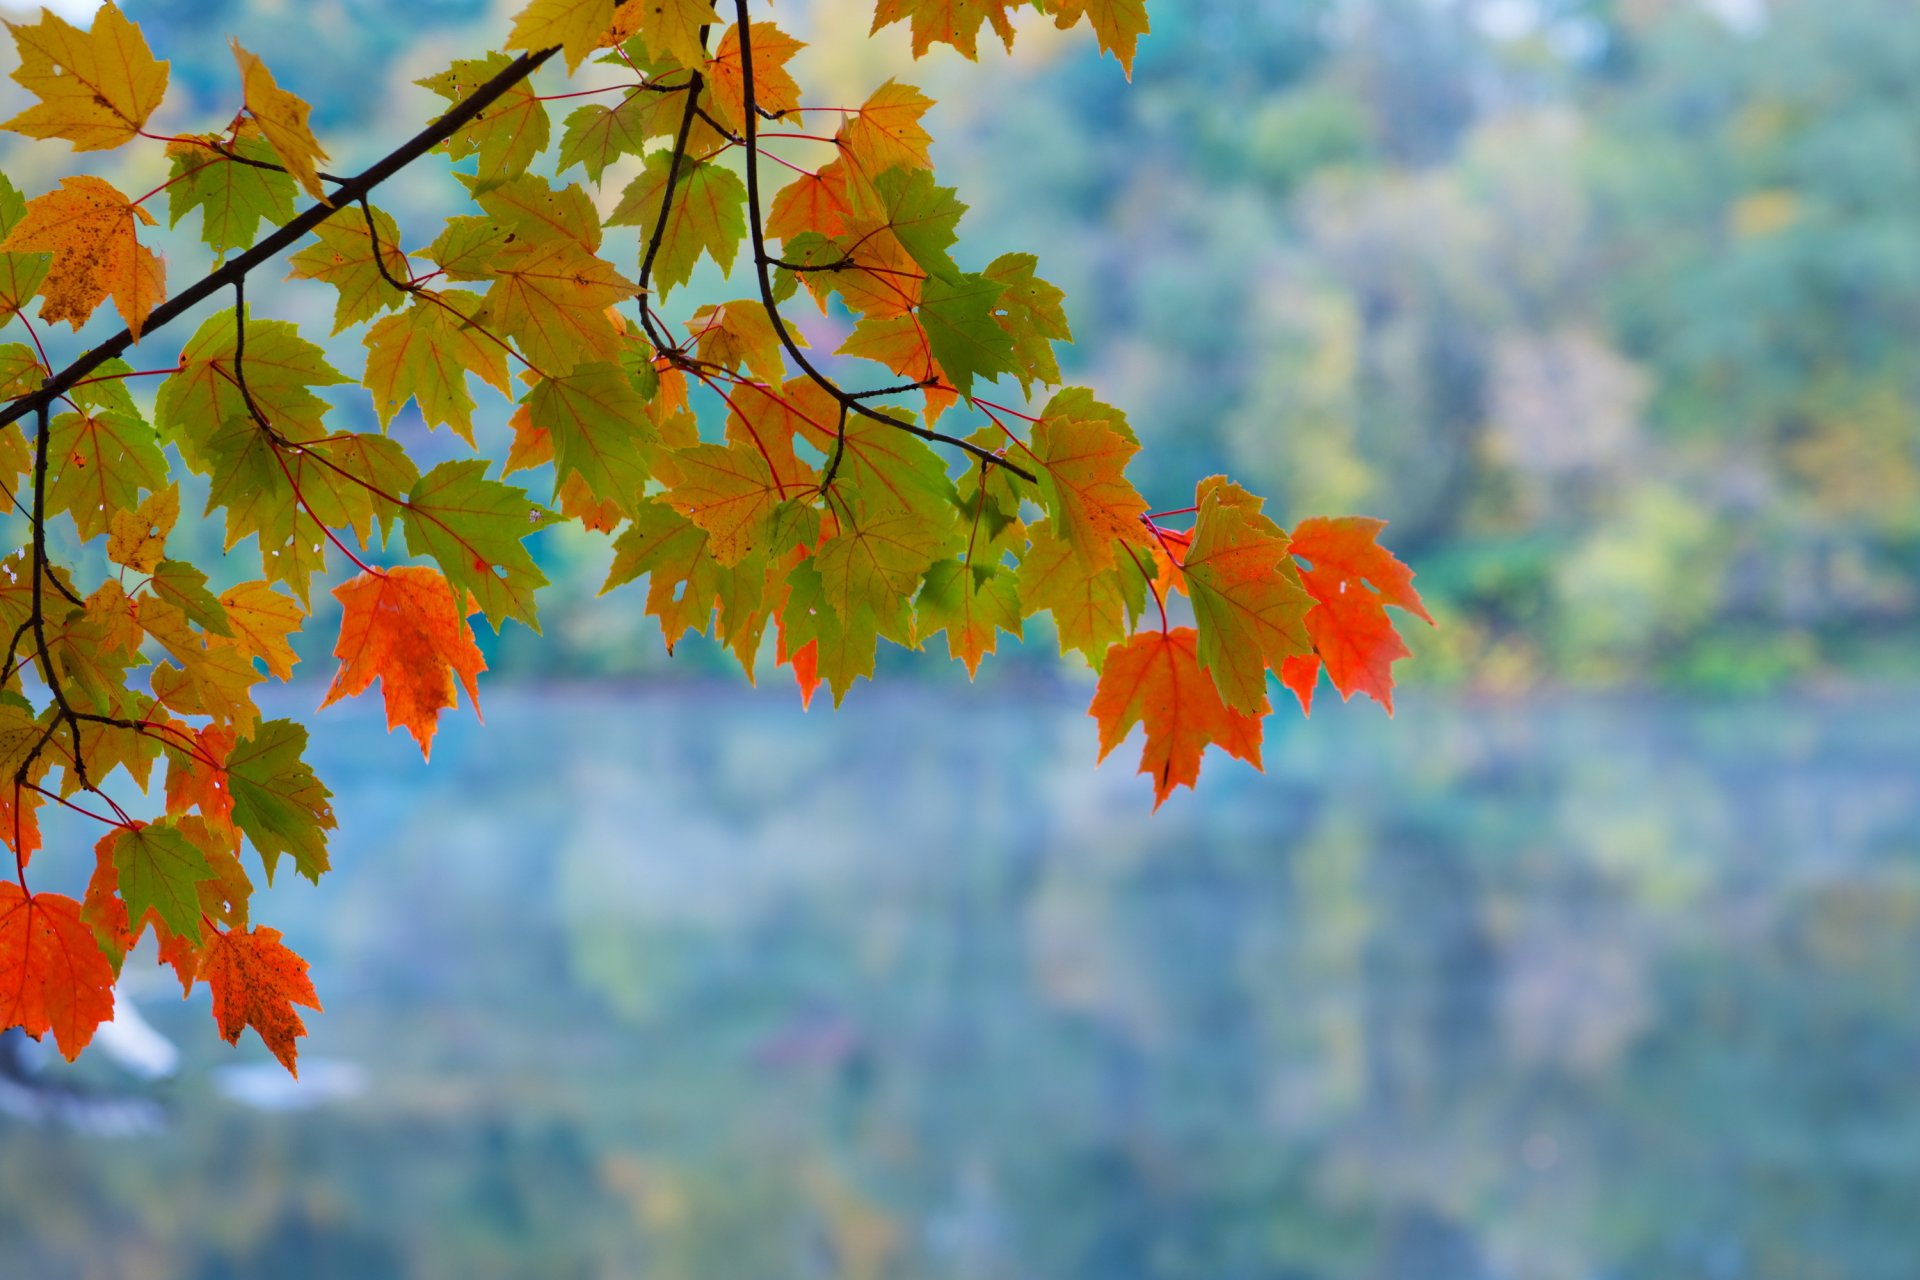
(138, 538)
(92, 231)
(96, 87)
(283, 118)
(575, 25)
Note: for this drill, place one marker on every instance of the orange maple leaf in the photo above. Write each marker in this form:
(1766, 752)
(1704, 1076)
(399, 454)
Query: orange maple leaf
(1154, 679)
(92, 231)
(405, 627)
(1352, 578)
(53, 975)
(256, 981)
(774, 89)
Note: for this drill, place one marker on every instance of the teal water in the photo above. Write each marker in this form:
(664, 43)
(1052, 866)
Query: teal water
(688, 984)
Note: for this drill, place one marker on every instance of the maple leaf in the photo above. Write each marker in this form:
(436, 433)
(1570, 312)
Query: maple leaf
(673, 28)
(813, 202)
(262, 619)
(53, 975)
(506, 136)
(345, 258)
(194, 405)
(278, 803)
(160, 870)
(740, 335)
(886, 132)
(683, 578)
(1352, 579)
(99, 463)
(968, 602)
(596, 135)
(774, 90)
(20, 277)
(842, 645)
(709, 216)
(552, 298)
(873, 565)
(1084, 462)
(404, 628)
(197, 773)
(97, 88)
(954, 22)
(1247, 598)
(425, 354)
(472, 527)
(957, 313)
(1154, 679)
(138, 538)
(185, 587)
(233, 196)
(1090, 607)
(256, 980)
(92, 231)
(575, 25)
(731, 492)
(283, 118)
(1033, 314)
(596, 422)
(1118, 24)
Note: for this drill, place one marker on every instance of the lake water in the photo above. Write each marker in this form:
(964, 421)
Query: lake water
(685, 983)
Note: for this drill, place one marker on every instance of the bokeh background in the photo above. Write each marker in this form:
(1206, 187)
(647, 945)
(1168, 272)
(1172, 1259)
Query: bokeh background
(1597, 963)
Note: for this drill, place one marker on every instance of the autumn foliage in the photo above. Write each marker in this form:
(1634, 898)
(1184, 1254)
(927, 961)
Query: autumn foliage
(821, 503)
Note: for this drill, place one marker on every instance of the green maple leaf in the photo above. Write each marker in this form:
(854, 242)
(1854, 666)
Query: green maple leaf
(161, 870)
(466, 247)
(875, 562)
(922, 216)
(528, 207)
(472, 527)
(99, 463)
(346, 259)
(597, 135)
(1249, 604)
(683, 578)
(20, 273)
(282, 369)
(185, 587)
(508, 135)
(967, 341)
(278, 803)
(709, 216)
(1091, 606)
(845, 645)
(425, 354)
(598, 422)
(970, 602)
(1034, 315)
(233, 198)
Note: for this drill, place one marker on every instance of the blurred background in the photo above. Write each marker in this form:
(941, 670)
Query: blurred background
(1597, 963)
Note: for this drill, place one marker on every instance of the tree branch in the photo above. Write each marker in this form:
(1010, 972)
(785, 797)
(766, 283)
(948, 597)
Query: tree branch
(761, 260)
(289, 235)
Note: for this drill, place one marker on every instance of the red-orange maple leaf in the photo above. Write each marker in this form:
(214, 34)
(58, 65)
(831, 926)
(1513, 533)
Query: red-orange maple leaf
(256, 982)
(53, 975)
(1352, 578)
(404, 627)
(1155, 679)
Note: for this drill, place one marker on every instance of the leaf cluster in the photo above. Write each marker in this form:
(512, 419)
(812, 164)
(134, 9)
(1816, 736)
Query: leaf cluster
(827, 512)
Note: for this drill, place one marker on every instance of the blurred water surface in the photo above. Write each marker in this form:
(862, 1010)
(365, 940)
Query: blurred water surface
(687, 983)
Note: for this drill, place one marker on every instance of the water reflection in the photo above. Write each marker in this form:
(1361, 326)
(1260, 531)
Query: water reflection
(691, 985)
